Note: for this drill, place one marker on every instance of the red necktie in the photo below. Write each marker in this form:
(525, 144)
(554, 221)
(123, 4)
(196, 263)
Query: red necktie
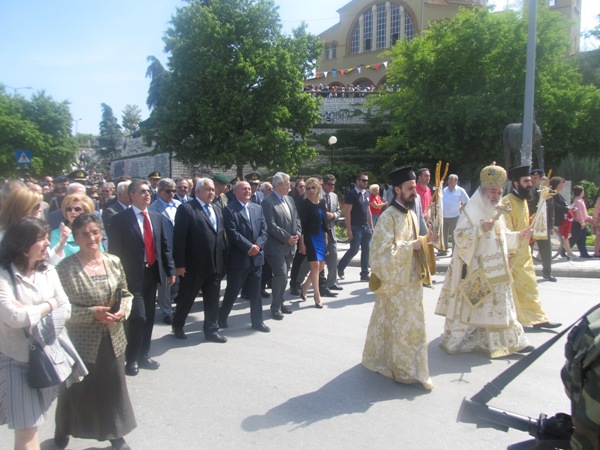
(148, 240)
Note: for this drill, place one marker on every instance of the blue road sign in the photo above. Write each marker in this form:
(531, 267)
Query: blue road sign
(23, 157)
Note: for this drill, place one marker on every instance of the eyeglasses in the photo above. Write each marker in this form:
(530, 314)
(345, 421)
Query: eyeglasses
(364, 181)
(144, 191)
(182, 187)
(77, 209)
(310, 188)
(87, 235)
(170, 191)
(330, 184)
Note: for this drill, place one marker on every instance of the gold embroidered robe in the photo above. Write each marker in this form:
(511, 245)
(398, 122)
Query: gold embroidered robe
(396, 343)
(529, 307)
(477, 296)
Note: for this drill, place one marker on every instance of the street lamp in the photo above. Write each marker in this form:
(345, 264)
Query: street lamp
(17, 88)
(332, 141)
(76, 123)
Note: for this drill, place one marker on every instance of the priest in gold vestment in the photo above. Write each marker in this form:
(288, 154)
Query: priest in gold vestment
(527, 301)
(477, 295)
(396, 343)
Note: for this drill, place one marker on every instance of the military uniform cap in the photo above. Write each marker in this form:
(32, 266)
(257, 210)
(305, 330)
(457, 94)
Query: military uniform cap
(399, 176)
(492, 175)
(517, 172)
(78, 176)
(155, 174)
(539, 172)
(60, 179)
(220, 178)
(253, 177)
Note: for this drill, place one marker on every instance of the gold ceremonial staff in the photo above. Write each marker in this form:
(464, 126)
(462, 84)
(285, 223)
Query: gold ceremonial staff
(437, 215)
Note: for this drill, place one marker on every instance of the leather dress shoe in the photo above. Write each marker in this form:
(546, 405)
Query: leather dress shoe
(261, 327)
(286, 309)
(336, 287)
(294, 290)
(145, 362)
(328, 293)
(216, 337)
(364, 278)
(277, 315)
(223, 323)
(61, 440)
(168, 320)
(547, 325)
(132, 369)
(550, 278)
(265, 294)
(179, 333)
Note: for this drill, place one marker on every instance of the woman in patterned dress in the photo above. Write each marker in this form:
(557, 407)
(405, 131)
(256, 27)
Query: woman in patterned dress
(99, 408)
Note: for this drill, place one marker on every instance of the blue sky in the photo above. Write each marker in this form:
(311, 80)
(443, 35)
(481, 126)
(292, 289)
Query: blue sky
(92, 52)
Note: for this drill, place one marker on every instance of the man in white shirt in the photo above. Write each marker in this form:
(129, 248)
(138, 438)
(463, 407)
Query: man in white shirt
(455, 199)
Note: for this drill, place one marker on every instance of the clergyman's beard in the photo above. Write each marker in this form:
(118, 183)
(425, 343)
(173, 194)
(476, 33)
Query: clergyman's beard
(409, 202)
(525, 193)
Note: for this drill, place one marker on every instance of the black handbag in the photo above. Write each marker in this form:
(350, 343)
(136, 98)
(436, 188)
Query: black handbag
(42, 370)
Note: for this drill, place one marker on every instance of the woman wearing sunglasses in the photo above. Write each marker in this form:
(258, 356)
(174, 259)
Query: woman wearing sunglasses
(61, 238)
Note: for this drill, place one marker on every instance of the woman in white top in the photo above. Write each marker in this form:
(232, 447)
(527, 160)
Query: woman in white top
(29, 291)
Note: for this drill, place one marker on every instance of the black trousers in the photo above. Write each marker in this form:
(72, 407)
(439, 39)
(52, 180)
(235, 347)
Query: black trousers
(141, 319)
(189, 286)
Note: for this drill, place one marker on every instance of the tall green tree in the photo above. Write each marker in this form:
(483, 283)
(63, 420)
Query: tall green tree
(41, 125)
(131, 118)
(232, 94)
(110, 134)
(457, 87)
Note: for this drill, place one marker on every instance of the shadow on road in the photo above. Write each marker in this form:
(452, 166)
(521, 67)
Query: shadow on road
(352, 392)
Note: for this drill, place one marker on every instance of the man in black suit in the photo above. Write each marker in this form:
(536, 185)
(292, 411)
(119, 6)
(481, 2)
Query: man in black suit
(121, 203)
(247, 234)
(138, 238)
(199, 251)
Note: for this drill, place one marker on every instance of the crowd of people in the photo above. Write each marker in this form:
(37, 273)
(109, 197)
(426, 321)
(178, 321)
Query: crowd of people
(96, 261)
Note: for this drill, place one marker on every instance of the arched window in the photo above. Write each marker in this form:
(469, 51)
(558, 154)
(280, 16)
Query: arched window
(326, 51)
(333, 50)
(381, 27)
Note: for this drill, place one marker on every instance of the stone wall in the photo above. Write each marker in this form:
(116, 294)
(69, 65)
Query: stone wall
(138, 160)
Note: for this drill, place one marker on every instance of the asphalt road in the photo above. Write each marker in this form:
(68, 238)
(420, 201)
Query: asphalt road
(302, 385)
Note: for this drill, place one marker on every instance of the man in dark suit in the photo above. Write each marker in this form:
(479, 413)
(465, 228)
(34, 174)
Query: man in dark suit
(183, 188)
(137, 236)
(199, 251)
(247, 234)
(284, 230)
(121, 203)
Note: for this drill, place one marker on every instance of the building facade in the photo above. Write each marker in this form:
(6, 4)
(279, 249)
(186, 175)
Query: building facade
(352, 55)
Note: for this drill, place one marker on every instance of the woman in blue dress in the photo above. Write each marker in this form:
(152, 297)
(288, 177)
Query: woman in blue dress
(313, 242)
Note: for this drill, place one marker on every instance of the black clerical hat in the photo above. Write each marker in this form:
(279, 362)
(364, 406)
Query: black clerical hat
(517, 172)
(399, 176)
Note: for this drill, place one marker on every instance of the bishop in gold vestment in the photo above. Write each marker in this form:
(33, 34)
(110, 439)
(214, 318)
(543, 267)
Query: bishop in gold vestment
(396, 343)
(477, 295)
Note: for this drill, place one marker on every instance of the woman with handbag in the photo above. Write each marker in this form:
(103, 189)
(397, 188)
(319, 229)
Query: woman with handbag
(33, 307)
(99, 407)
